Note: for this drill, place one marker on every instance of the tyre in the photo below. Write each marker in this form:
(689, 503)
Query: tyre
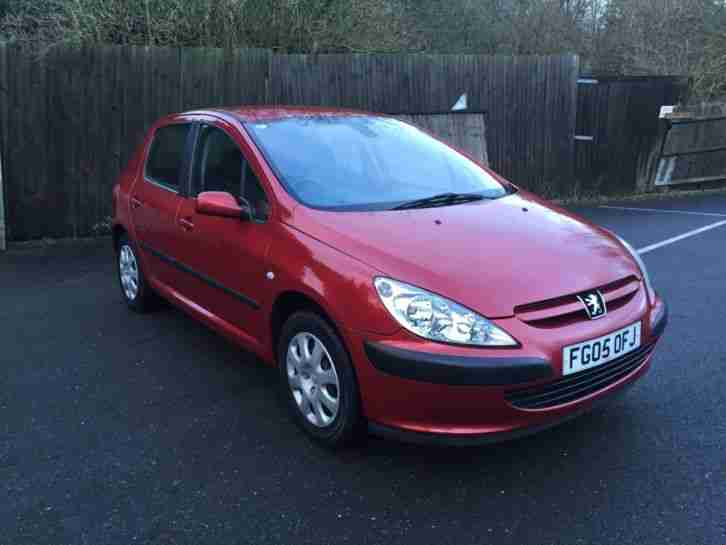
(134, 288)
(318, 380)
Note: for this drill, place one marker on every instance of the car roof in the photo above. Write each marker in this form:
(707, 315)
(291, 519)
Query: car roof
(270, 113)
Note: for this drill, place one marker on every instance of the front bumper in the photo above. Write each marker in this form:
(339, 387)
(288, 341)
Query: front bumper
(475, 439)
(456, 370)
(459, 396)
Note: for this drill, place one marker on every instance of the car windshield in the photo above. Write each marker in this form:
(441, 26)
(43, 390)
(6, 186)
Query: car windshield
(368, 163)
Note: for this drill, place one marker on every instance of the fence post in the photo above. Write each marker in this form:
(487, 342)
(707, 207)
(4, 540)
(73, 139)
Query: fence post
(4, 107)
(3, 245)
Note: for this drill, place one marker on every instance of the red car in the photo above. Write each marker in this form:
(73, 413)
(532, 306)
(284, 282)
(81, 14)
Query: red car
(397, 285)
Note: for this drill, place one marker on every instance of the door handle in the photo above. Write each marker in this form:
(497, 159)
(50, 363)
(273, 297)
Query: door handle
(186, 224)
(136, 203)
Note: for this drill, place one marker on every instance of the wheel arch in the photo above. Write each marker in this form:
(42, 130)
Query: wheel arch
(118, 231)
(288, 303)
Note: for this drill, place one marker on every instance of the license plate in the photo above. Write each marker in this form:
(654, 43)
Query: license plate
(596, 352)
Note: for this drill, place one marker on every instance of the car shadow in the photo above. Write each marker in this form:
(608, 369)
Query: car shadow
(250, 387)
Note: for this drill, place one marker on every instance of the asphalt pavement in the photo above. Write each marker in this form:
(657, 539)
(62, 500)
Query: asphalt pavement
(119, 428)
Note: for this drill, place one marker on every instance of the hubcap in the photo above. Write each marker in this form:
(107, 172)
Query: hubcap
(129, 272)
(313, 379)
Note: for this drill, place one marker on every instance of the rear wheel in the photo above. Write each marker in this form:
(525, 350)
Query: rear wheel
(134, 288)
(318, 380)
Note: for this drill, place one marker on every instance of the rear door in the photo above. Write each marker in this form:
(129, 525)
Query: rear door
(226, 256)
(156, 198)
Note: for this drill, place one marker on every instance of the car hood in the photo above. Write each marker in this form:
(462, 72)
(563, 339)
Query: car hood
(490, 256)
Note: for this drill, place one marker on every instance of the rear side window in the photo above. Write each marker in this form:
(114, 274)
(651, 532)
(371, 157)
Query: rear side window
(166, 157)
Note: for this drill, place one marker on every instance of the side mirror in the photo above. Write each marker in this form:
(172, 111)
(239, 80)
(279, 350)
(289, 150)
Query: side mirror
(222, 204)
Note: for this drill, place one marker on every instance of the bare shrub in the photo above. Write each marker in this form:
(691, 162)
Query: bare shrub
(616, 36)
(284, 25)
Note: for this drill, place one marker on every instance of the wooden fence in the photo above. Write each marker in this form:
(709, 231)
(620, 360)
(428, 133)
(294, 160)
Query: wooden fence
(70, 119)
(693, 149)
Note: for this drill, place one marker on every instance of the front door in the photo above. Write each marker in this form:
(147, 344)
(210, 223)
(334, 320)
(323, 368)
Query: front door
(226, 256)
(156, 199)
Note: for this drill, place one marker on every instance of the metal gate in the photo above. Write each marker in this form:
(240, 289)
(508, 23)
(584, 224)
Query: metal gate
(617, 131)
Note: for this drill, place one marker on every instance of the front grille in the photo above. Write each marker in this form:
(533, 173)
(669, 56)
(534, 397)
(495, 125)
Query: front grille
(574, 387)
(567, 309)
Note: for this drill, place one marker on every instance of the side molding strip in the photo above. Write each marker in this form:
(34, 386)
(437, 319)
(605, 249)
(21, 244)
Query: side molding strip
(203, 277)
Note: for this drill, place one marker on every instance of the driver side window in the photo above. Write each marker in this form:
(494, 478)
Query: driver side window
(219, 165)
(219, 162)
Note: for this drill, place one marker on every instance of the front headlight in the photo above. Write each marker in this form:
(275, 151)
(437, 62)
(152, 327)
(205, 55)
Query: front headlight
(433, 317)
(643, 269)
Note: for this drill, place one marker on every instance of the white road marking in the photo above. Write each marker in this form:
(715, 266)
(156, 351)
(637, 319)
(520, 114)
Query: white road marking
(689, 234)
(686, 212)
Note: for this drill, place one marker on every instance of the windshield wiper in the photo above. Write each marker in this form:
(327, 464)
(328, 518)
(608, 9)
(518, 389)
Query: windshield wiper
(443, 199)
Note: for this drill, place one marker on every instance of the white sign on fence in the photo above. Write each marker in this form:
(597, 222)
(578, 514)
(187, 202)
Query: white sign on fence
(666, 111)
(461, 104)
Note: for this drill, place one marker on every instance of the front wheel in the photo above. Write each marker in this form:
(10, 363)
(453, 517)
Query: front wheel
(318, 380)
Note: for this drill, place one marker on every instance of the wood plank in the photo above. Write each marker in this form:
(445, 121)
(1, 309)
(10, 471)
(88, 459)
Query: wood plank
(55, 126)
(133, 99)
(42, 143)
(95, 151)
(550, 119)
(109, 122)
(11, 124)
(20, 193)
(574, 74)
(698, 180)
(63, 128)
(115, 127)
(3, 138)
(497, 120)
(84, 114)
(229, 77)
(3, 244)
(126, 143)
